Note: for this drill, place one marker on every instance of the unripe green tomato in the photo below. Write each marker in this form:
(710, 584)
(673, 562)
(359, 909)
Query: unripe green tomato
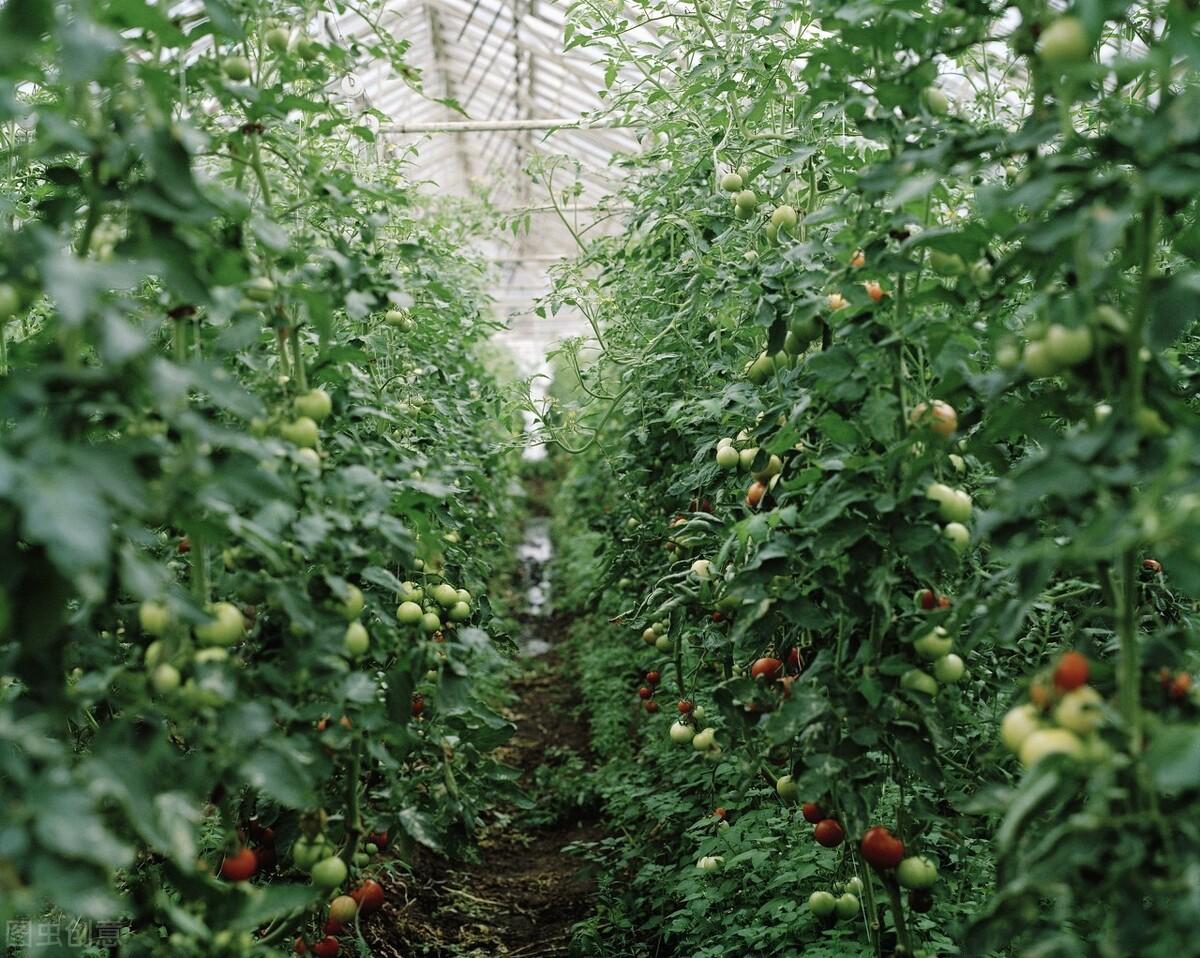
(680, 733)
(784, 217)
(445, 594)
(936, 102)
(356, 641)
(315, 404)
(786, 788)
(278, 39)
(731, 183)
(746, 457)
(329, 872)
(225, 628)
(371, 848)
(663, 643)
(1008, 355)
(916, 871)
(946, 264)
(302, 431)
(459, 612)
(853, 885)
(154, 654)
(1064, 42)
(352, 603)
(847, 906)
(703, 740)
(1067, 346)
(236, 68)
(214, 656)
(1149, 422)
(165, 678)
(934, 644)
(410, 592)
(948, 669)
(154, 617)
(10, 302)
(916, 680)
(409, 613)
(430, 623)
(746, 200)
(822, 904)
(727, 457)
(1018, 724)
(957, 535)
(1081, 710)
(1050, 741)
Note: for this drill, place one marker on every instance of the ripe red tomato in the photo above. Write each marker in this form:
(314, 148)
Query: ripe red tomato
(813, 812)
(264, 857)
(795, 663)
(1152, 565)
(718, 616)
(333, 927)
(684, 707)
(185, 545)
(920, 900)
(1071, 671)
(859, 259)
(327, 947)
(829, 832)
(651, 706)
(881, 848)
(653, 678)
(754, 495)
(418, 705)
(719, 812)
(300, 947)
(874, 290)
(369, 896)
(378, 838)
(1181, 686)
(645, 692)
(239, 866)
(766, 668)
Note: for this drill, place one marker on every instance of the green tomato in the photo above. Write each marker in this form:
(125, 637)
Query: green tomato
(664, 644)
(1081, 710)
(746, 200)
(356, 641)
(226, 627)
(934, 644)
(430, 623)
(445, 594)
(917, 871)
(948, 669)
(259, 289)
(459, 612)
(680, 733)
(236, 68)
(10, 302)
(731, 183)
(710, 863)
(773, 467)
(822, 904)
(786, 788)
(1017, 725)
(1066, 345)
(1064, 43)
(761, 369)
(784, 217)
(352, 603)
(165, 678)
(154, 617)
(302, 431)
(315, 404)
(703, 740)
(946, 264)
(329, 872)
(853, 885)
(847, 906)
(936, 102)
(957, 535)
(409, 613)
(728, 457)
(915, 680)
(278, 39)
(1037, 360)
(1050, 741)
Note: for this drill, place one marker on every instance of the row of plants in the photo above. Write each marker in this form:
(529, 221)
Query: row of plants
(256, 475)
(880, 515)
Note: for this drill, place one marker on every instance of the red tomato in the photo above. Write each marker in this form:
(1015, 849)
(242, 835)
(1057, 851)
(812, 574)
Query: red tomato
(719, 812)
(1071, 671)
(264, 857)
(881, 848)
(653, 678)
(300, 947)
(651, 706)
(1152, 565)
(378, 838)
(718, 616)
(766, 668)
(239, 866)
(684, 707)
(333, 927)
(185, 545)
(795, 663)
(645, 692)
(1181, 686)
(369, 896)
(813, 812)
(874, 290)
(920, 900)
(829, 833)
(418, 705)
(327, 947)
(754, 495)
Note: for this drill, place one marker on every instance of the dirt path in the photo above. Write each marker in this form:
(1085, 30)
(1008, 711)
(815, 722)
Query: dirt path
(524, 895)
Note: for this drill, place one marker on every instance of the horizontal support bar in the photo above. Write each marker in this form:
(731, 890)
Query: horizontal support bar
(490, 126)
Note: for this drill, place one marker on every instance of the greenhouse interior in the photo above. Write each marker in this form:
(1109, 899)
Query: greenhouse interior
(599, 479)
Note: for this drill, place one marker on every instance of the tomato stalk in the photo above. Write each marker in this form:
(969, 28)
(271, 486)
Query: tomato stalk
(903, 936)
(298, 370)
(354, 827)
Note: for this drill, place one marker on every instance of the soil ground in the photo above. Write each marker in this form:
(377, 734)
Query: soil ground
(526, 892)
